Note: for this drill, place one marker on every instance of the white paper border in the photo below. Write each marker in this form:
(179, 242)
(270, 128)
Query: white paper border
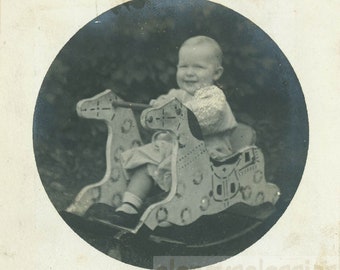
(33, 236)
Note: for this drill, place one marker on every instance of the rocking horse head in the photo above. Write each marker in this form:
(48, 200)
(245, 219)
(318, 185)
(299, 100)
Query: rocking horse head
(171, 116)
(98, 107)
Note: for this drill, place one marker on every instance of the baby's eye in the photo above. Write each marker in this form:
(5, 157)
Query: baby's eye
(182, 66)
(199, 67)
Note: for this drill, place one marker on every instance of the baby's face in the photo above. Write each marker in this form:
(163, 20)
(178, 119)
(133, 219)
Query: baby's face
(197, 67)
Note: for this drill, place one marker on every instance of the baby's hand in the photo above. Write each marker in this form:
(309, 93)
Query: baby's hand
(153, 102)
(157, 102)
(162, 99)
(162, 135)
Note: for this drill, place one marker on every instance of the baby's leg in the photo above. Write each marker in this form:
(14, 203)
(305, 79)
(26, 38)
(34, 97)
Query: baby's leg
(138, 189)
(140, 183)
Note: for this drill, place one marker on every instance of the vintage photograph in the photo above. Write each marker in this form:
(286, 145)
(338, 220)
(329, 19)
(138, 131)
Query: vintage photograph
(170, 128)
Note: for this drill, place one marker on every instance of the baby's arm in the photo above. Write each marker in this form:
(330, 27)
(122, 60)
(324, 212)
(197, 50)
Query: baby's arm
(208, 105)
(211, 108)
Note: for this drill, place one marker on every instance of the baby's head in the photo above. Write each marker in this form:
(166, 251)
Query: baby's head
(199, 63)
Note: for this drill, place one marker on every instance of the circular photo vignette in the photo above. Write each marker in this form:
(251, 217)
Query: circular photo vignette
(132, 49)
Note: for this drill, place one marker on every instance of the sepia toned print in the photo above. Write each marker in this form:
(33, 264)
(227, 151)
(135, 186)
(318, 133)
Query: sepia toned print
(132, 50)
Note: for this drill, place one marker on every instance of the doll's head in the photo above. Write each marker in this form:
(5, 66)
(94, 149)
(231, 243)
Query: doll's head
(199, 63)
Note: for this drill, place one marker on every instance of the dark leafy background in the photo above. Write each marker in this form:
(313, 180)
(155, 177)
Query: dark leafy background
(132, 49)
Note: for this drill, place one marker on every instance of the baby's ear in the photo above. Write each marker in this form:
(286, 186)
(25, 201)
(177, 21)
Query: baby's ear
(218, 73)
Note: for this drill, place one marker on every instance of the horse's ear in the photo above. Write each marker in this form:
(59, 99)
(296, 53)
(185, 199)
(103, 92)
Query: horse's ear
(194, 126)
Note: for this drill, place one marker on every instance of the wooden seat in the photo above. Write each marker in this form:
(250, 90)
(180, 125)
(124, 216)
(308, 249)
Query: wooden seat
(242, 136)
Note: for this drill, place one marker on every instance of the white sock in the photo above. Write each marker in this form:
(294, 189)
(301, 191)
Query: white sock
(131, 203)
